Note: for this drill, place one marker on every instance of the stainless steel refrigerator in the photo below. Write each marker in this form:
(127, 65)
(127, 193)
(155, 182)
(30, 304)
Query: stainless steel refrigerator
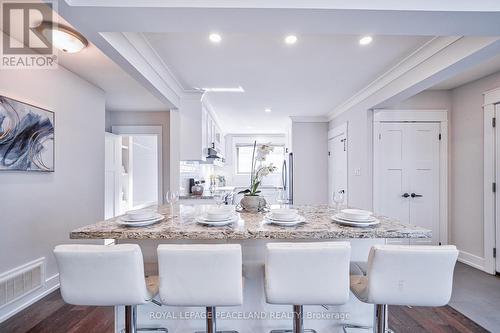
(287, 176)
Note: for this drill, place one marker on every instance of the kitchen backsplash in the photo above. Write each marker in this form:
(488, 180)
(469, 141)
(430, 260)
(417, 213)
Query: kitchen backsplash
(198, 171)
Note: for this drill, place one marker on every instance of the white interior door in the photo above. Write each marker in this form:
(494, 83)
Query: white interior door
(423, 178)
(112, 175)
(407, 174)
(497, 180)
(337, 165)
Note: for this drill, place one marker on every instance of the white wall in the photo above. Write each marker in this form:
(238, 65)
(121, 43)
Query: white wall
(359, 156)
(38, 210)
(467, 165)
(310, 163)
(143, 118)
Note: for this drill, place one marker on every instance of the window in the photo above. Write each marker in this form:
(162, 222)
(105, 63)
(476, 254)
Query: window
(244, 158)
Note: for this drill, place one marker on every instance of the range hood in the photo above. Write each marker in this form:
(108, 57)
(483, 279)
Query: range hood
(214, 157)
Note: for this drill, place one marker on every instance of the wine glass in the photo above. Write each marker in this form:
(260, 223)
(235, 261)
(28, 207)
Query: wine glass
(281, 197)
(338, 198)
(219, 197)
(172, 197)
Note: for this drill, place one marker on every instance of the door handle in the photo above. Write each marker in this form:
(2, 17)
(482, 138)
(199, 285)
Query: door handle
(406, 195)
(413, 195)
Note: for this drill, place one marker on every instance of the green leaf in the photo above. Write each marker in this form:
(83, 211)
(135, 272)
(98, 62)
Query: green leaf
(245, 191)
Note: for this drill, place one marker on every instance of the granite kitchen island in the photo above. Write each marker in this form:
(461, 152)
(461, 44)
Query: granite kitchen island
(252, 232)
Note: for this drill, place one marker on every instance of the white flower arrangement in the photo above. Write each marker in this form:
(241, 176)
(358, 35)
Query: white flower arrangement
(256, 176)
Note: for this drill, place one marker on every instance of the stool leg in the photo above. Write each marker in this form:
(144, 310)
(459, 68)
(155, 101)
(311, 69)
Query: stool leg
(380, 319)
(298, 319)
(131, 319)
(211, 320)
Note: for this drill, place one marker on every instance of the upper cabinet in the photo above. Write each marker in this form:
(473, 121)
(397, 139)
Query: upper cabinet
(199, 129)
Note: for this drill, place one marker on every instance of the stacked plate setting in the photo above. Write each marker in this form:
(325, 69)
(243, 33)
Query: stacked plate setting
(355, 218)
(218, 216)
(284, 217)
(140, 218)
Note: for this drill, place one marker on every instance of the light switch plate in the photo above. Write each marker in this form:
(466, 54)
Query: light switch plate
(357, 172)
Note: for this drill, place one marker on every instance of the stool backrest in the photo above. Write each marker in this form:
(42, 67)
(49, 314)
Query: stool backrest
(411, 275)
(200, 274)
(101, 275)
(307, 273)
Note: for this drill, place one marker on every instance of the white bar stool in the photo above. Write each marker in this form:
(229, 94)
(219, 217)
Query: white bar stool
(405, 275)
(102, 275)
(206, 275)
(307, 274)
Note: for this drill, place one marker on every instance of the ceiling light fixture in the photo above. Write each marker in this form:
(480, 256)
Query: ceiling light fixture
(215, 38)
(267, 110)
(238, 89)
(291, 39)
(63, 37)
(365, 40)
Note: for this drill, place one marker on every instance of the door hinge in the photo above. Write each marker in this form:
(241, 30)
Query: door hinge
(439, 136)
(493, 187)
(494, 121)
(329, 154)
(380, 136)
(494, 252)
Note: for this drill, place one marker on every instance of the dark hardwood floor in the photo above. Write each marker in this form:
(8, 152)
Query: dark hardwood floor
(52, 315)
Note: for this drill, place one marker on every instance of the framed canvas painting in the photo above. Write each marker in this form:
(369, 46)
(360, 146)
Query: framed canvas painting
(26, 137)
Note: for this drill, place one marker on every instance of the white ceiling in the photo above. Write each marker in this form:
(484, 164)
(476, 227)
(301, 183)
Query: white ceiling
(309, 78)
(123, 93)
(486, 68)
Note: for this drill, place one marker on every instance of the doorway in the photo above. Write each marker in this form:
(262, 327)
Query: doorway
(408, 171)
(337, 162)
(135, 156)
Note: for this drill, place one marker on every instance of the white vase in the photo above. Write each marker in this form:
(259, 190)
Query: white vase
(252, 203)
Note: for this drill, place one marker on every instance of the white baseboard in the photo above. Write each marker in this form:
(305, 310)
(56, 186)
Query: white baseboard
(471, 260)
(51, 284)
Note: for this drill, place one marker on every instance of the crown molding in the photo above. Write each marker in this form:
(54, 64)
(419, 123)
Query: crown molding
(309, 119)
(436, 60)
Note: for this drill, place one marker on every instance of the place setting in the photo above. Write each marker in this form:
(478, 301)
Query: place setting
(285, 217)
(217, 216)
(140, 218)
(355, 218)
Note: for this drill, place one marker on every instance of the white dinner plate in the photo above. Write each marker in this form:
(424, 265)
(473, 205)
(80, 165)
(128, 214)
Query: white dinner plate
(353, 219)
(203, 221)
(205, 218)
(282, 219)
(140, 223)
(354, 224)
(127, 219)
(298, 220)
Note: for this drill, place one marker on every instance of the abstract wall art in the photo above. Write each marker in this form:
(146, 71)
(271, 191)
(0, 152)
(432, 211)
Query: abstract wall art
(26, 137)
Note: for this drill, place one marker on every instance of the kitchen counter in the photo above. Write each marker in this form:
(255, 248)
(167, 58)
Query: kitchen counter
(182, 226)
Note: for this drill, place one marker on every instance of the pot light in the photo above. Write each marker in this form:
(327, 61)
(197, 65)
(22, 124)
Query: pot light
(215, 38)
(365, 40)
(64, 38)
(267, 110)
(291, 39)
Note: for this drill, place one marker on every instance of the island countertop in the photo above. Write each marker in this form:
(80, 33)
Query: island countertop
(183, 226)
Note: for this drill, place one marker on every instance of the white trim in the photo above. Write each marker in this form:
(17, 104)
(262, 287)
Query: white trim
(51, 284)
(489, 224)
(492, 96)
(428, 115)
(141, 130)
(424, 115)
(336, 131)
(471, 260)
(311, 119)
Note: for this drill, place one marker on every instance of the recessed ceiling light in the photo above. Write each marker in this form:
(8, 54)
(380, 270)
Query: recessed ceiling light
(64, 38)
(291, 39)
(215, 38)
(365, 40)
(267, 110)
(223, 89)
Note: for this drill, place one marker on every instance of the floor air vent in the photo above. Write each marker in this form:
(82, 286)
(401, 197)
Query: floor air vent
(21, 281)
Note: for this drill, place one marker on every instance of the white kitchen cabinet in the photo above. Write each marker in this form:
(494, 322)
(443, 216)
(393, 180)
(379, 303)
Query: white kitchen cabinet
(198, 130)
